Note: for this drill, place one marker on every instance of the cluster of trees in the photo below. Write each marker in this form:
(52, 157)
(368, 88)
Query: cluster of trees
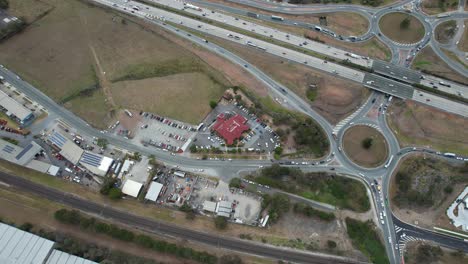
(12, 28)
(108, 188)
(366, 239)
(407, 195)
(4, 4)
(347, 193)
(235, 183)
(428, 254)
(302, 208)
(189, 211)
(277, 205)
(310, 137)
(75, 218)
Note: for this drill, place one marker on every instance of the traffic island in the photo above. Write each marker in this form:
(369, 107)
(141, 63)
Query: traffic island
(401, 27)
(365, 146)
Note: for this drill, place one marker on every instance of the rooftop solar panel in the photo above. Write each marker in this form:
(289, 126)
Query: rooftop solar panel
(26, 149)
(8, 148)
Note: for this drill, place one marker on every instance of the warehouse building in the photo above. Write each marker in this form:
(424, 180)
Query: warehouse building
(154, 191)
(95, 163)
(20, 247)
(43, 167)
(132, 188)
(14, 109)
(68, 149)
(17, 154)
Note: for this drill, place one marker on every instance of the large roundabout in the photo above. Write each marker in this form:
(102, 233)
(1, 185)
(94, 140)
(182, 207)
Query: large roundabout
(401, 27)
(365, 146)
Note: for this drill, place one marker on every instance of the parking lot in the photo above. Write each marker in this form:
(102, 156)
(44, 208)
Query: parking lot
(163, 132)
(247, 205)
(260, 138)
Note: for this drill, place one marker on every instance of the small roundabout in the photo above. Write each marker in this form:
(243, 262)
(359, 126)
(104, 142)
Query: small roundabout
(365, 146)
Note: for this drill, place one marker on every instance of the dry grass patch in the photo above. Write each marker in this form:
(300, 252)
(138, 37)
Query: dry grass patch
(374, 156)
(429, 62)
(446, 31)
(416, 124)
(182, 96)
(334, 98)
(463, 45)
(93, 108)
(391, 26)
(29, 10)
(433, 7)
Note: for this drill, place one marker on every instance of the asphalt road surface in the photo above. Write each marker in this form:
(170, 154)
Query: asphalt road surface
(158, 227)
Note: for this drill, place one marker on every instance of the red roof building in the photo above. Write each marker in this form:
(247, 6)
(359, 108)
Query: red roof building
(230, 129)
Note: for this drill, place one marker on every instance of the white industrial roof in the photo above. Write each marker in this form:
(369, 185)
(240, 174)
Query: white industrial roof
(132, 188)
(38, 165)
(53, 170)
(19, 247)
(60, 257)
(153, 191)
(209, 206)
(14, 106)
(17, 154)
(68, 149)
(96, 163)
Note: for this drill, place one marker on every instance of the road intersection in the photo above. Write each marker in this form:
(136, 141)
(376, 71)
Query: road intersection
(234, 167)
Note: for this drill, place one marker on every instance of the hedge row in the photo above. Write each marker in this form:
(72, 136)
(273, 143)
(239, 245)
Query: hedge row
(74, 217)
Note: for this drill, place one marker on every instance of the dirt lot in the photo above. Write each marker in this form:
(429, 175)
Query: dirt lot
(449, 256)
(167, 95)
(463, 45)
(433, 7)
(446, 31)
(344, 23)
(426, 201)
(352, 145)
(416, 124)
(428, 61)
(390, 27)
(335, 98)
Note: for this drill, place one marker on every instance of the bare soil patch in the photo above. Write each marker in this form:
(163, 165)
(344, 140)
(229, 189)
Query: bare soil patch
(428, 61)
(166, 95)
(390, 25)
(416, 124)
(446, 31)
(335, 98)
(433, 7)
(353, 146)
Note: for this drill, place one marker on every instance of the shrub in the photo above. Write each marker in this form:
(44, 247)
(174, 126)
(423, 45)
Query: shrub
(213, 104)
(235, 183)
(220, 222)
(367, 143)
(405, 23)
(331, 244)
(115, 193)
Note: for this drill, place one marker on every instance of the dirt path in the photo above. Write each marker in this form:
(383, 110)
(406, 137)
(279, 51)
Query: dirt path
(101, 74)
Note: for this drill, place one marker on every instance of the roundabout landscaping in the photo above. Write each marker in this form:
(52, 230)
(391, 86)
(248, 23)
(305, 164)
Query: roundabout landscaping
(365, 146)
(401, 27)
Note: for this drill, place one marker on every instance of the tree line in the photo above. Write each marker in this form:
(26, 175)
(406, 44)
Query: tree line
(73, 217)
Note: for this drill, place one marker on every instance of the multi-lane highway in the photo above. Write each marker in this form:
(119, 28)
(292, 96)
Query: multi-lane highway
(231, 168)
